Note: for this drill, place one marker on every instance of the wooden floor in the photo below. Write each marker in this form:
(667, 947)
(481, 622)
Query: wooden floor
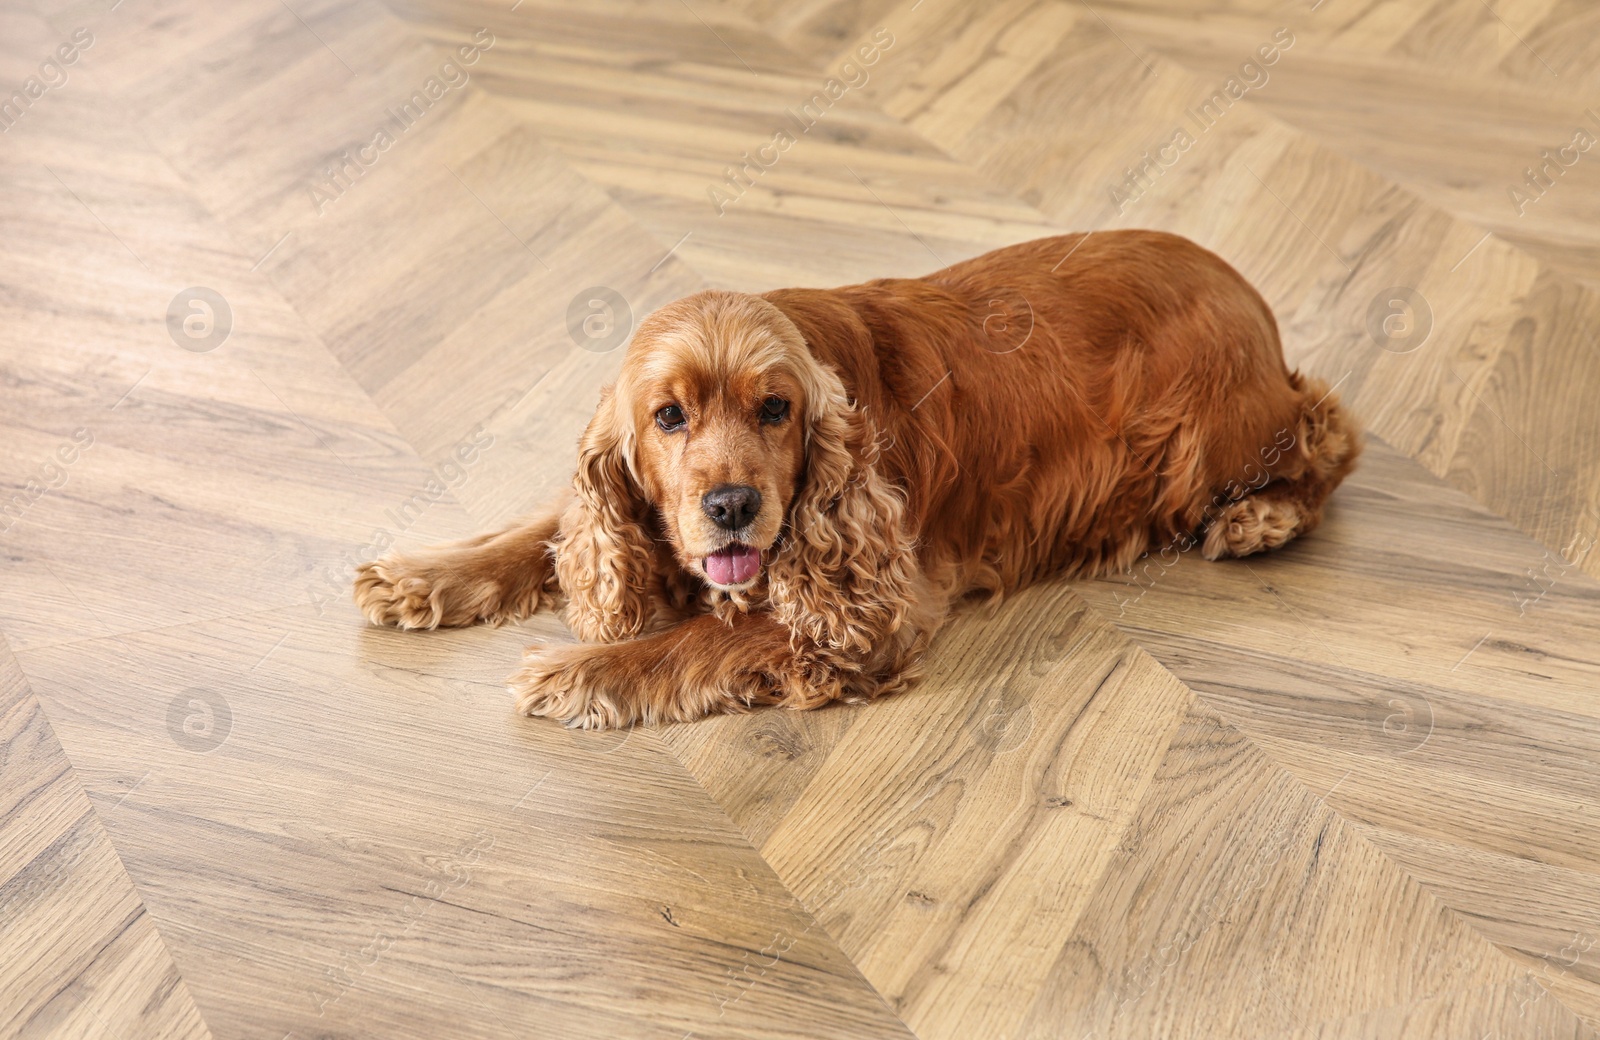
(1347, 790)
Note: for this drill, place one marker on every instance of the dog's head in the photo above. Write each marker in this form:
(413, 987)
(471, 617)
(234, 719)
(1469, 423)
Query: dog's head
(721, 427)
(719, 397)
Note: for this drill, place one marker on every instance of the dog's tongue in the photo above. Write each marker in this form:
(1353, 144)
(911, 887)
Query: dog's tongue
(733, 565)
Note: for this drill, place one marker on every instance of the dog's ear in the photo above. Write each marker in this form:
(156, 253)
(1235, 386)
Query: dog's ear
(605, 553)
(846, 578)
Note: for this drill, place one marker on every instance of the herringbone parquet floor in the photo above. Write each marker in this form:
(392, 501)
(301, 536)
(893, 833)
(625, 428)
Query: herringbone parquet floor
(284, 282)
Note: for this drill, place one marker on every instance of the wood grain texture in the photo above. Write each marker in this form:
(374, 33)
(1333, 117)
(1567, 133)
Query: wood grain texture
(1234, 901)
(1517, 80)
(82, 955)
(1448, 727)
(1086, 850)
(985, 842)
(563, 887)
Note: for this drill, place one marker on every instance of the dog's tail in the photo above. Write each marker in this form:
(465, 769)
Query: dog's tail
(1325, 444)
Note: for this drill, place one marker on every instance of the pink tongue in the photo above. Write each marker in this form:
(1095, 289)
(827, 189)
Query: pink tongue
(734, 565)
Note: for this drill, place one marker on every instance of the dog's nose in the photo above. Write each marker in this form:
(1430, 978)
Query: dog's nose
(731, 505)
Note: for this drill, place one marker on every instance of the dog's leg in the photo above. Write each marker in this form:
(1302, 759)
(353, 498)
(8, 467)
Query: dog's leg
(1327, 443)
(502, 576)
(704, 666)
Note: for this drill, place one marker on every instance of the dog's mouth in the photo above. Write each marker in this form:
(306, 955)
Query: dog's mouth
(732, 565)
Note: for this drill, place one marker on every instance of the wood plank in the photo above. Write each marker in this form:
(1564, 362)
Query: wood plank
(1456, 727)
(82, 955)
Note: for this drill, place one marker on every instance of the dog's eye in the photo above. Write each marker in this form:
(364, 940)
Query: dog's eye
(774, 410)
(670, 418)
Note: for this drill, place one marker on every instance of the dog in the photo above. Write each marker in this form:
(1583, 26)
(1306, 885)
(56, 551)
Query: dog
(784, 494)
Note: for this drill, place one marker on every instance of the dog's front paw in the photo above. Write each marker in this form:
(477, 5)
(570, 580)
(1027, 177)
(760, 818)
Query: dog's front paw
(408, 593)
(390, 593)
(574, 685)
(393, 591)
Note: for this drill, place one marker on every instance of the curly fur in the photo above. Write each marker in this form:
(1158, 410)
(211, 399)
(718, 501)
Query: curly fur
(846, 579)
(605, 554)
(1147, 404)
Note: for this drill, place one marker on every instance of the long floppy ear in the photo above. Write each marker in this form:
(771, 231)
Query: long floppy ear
(846, 581)
(605, 553)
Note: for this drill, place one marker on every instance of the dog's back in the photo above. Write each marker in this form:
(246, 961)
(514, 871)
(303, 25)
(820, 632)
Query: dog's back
(1066, 404)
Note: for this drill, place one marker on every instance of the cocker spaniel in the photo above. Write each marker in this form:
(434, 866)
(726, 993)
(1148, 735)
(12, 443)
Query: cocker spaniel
(784, 494)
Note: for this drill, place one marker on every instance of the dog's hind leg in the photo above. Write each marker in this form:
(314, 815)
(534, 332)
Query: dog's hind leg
(501, 576)
(1325, 445)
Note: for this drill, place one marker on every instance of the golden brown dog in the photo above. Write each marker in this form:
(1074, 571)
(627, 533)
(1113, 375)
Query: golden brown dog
(783, 495)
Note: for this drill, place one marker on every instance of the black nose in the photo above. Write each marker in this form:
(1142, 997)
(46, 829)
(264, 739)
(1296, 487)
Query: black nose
(731, 505)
